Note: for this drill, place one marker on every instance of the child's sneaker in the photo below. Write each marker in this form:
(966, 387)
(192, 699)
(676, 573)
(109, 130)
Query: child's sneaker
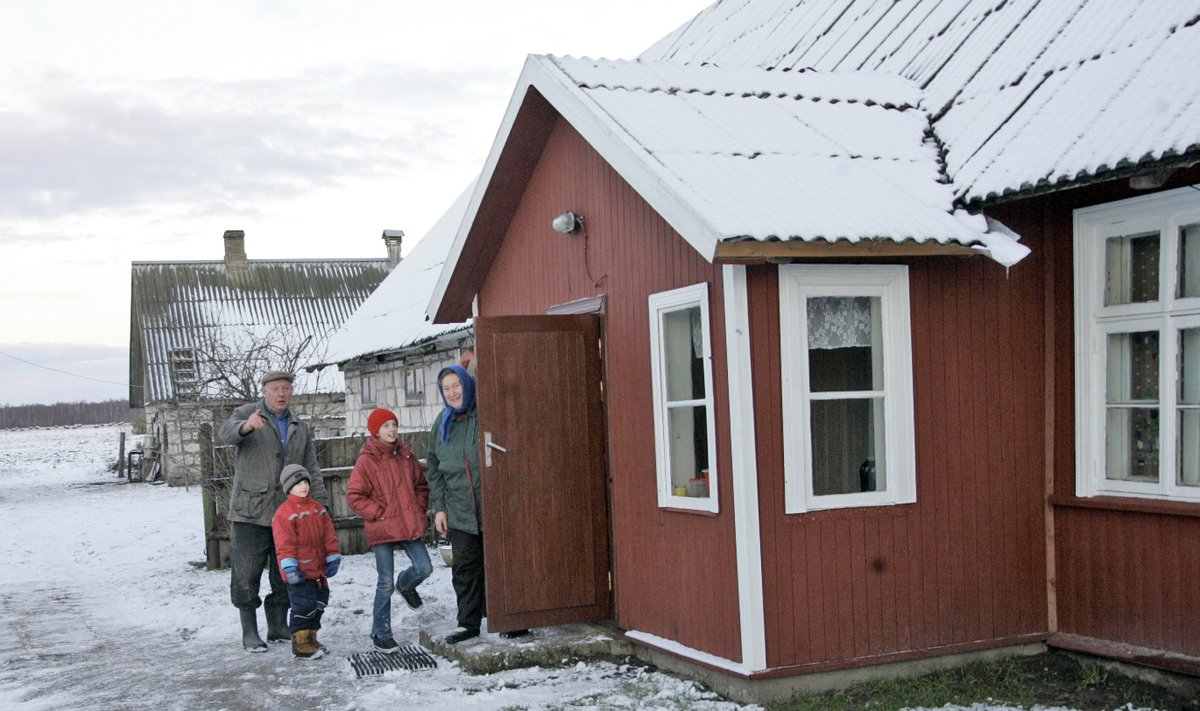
(387, 645)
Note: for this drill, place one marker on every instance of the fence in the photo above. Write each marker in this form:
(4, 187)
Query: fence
(336, 456)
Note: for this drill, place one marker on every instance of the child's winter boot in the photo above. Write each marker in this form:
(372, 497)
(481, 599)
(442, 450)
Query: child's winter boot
(302, 645)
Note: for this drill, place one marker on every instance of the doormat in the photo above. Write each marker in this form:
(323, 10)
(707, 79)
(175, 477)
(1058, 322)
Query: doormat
(410, 656)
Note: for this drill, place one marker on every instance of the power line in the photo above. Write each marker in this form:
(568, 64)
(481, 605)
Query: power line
(65, 372)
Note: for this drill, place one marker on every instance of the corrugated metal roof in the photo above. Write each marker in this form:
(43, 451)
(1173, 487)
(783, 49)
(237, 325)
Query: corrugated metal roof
(1026, 94)
(191, 305)
(766, 155)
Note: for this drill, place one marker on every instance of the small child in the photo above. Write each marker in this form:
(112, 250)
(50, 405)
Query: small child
(308, 552)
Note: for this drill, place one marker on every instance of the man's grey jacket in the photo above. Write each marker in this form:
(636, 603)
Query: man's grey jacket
(256, 492)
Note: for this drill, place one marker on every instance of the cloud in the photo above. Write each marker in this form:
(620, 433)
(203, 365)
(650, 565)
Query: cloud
(57, 372)
(73, 147)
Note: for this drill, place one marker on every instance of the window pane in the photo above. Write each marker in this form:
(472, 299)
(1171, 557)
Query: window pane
(844, 437)
(688, 433)
(1131, 269)
(1132, 441)
(843, 333)
(1132, 367)
(683, 346)
(1189, 261)
(1187, 459)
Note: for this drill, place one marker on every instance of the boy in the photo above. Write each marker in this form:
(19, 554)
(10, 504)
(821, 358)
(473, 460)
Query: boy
(308, 552)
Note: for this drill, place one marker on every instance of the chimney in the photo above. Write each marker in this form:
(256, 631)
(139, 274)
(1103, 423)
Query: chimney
(392, 239)
(235, 249)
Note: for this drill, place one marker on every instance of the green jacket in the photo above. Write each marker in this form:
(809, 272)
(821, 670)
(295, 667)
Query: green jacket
(447, 475)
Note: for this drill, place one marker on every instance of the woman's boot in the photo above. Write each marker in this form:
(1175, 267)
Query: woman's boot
(251, 642)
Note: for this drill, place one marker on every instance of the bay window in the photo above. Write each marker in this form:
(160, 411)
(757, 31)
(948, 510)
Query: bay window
(846, 358)
(681, 374)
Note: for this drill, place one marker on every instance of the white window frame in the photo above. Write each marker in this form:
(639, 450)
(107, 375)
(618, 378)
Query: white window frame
(413, 373)
(662, 304)
(1164, 213)
(890, 284)
(368, 389)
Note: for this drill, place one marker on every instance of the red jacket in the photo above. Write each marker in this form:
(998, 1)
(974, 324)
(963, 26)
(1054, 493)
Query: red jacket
(388, 489)
(304, 532)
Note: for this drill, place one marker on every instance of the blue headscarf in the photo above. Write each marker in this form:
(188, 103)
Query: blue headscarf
(468, 401)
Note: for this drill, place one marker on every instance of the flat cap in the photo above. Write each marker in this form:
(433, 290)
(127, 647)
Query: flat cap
(277, 375)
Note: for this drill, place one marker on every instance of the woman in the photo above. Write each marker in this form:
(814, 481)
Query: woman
(389, 491)
(454, 490)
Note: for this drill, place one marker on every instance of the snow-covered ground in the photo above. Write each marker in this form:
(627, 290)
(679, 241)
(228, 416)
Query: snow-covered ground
(105, 604)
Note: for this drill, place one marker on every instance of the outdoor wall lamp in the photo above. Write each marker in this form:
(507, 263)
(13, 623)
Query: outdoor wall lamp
(568, 223)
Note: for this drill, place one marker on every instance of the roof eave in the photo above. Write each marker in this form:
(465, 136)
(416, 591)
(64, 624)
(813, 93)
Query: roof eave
(542, 78)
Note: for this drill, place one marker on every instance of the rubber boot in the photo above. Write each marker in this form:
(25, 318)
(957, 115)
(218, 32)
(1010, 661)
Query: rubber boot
(251, 642)
(277, 628)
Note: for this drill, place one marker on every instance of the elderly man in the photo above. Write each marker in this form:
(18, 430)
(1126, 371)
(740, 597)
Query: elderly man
(268, 438)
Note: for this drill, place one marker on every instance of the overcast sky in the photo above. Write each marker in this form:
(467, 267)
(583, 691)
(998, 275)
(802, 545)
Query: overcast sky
(142, 130)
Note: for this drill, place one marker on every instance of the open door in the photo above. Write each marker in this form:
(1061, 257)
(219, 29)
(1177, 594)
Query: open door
(545, 496)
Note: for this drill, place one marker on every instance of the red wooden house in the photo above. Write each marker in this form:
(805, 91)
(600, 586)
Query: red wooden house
(767, 376)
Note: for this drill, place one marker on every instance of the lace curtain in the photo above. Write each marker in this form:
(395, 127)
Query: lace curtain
(839, 322)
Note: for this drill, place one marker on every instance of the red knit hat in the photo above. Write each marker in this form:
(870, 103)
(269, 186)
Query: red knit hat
(376, 419)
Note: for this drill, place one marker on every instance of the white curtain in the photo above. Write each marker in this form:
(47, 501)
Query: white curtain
(839, 322)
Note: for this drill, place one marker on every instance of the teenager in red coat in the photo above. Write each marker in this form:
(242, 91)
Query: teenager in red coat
(388, 489)
(309, 554)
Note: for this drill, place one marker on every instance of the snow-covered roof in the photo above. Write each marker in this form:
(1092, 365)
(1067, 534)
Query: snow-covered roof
(780, 155)
(742, 153)
(1025, 94)
(393, 317)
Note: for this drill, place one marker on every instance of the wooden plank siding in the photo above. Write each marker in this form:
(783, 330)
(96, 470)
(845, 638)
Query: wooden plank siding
(1124, 568)
(675, 572)
(995, 551)
(963, 567)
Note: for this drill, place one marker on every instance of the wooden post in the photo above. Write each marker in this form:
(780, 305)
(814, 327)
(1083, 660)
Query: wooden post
(121, 457)
(212, 542)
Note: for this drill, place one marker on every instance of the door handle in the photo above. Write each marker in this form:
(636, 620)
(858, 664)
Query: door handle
(488, 446)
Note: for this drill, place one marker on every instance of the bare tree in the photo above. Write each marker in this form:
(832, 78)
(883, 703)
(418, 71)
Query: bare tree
(227, 365)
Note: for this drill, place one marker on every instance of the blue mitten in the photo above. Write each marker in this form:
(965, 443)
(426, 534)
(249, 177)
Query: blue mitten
(332, 563)
(291, 570)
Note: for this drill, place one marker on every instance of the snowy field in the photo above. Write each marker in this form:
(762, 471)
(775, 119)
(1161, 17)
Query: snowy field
(105, 604)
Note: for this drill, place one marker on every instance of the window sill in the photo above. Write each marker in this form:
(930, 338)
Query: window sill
(1128, 504)
(697, 512)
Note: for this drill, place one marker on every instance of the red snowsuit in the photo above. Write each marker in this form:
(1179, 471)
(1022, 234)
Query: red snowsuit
(388, 489)
(304, 531)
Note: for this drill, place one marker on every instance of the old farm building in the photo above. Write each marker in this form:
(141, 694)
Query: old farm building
(827, 411)
(203, 332)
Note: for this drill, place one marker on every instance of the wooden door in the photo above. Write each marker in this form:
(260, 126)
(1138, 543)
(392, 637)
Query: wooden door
(545, 496)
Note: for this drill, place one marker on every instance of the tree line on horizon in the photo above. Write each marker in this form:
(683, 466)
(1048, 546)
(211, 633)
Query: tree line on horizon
(67, 413)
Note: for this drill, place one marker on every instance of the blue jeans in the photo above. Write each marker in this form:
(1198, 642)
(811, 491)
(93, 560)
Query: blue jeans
(385, 567)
